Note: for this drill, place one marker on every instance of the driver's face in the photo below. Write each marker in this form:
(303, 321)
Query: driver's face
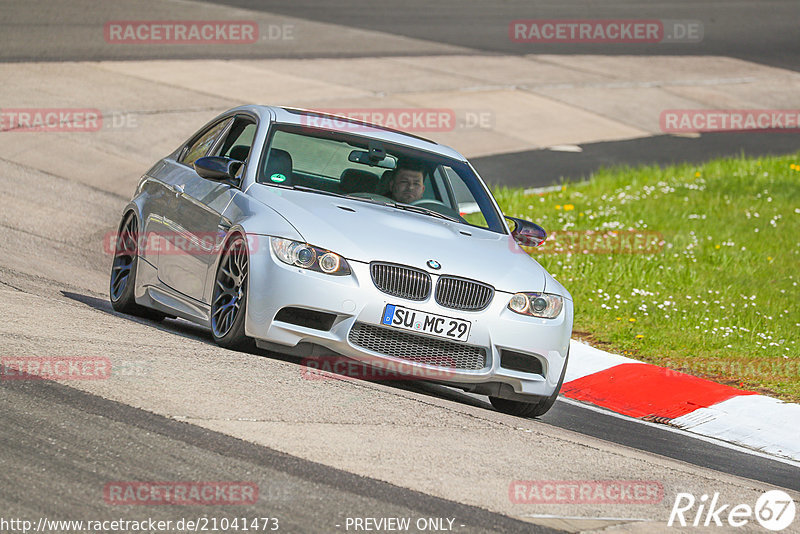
(407, 186)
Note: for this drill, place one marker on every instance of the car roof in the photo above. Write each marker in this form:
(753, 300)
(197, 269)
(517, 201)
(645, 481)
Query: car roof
(309, 118)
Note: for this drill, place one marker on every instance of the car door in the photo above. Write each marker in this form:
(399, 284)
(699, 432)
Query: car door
(160, 187)
(192, 221)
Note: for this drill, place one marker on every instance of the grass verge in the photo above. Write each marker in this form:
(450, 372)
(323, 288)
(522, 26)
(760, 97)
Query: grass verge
(692, 267)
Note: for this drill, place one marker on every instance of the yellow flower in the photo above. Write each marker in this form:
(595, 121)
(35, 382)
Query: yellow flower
(697, 174)
(568, 207)
(580, 214)
(619, 318)
(639, 336)
(563, 187)
(716, 246)
(632, 319)
(769, 258)
(558, 206)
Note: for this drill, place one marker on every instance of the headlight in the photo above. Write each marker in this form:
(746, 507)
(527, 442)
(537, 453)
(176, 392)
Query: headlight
(542, 305)
(309, 257)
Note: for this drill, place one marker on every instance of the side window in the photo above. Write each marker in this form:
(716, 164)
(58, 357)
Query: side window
(201, 146)
(439, 189)
(431, 190)
(239, 141)
(313, 155)
(466, 203)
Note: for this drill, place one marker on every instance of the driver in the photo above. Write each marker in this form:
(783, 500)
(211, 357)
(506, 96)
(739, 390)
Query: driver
(407, 184)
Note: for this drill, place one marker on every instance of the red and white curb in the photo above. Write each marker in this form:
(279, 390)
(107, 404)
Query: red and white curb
(699, 406)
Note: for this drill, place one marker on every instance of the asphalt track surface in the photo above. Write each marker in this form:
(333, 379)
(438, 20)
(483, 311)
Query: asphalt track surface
(543, 167)
(765, 32)
(598, 423)
(47, 426)
(61, 443)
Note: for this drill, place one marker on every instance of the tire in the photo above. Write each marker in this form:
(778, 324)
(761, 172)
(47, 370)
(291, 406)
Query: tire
(123, 272)
(229, 297)
(530, 409)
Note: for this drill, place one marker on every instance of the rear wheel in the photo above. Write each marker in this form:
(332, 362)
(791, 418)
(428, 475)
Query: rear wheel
(530, 409)
(123, 272)
(229, 297)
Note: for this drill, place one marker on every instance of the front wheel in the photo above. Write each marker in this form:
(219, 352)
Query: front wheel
(530, 409)
(229, 297)
(123, 272)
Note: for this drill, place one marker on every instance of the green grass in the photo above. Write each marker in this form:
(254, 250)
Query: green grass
(719, 299)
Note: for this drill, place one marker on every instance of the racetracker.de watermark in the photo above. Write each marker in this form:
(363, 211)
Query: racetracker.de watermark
(627, 31)
(181, 32)
(172, 243)
(729, 120)
(339, 367)
(181, 493)
(55, 368)
(585, 492)
(50, 120)
(405, 119)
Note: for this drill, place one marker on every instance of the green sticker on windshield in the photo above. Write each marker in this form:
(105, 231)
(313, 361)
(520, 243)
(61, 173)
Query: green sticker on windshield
(278, 177)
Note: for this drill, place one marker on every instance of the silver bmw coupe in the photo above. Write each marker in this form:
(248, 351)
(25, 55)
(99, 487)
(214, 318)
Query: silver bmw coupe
(317, 235)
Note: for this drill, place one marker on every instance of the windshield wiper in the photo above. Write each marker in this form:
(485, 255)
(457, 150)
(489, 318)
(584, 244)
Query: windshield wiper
(424, 211)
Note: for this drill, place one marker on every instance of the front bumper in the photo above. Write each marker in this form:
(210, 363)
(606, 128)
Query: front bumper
(354, 301)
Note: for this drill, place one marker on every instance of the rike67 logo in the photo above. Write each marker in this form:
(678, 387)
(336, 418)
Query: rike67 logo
(774, 510)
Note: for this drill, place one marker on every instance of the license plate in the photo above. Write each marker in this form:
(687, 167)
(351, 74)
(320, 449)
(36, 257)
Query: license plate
(425, 323)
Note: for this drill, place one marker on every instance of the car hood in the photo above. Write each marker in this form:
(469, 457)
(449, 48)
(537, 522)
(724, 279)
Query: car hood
(367, 232)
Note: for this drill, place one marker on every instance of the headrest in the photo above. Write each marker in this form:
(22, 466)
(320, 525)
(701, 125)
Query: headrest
(239, 152)
(278, 168)
(383, 184)
(358, 181)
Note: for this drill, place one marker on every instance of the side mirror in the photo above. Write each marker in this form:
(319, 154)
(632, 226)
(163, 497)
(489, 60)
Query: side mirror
(217, 168)
(526, 233)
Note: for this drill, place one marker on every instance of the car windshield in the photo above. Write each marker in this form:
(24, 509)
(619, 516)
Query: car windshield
(358, 167)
